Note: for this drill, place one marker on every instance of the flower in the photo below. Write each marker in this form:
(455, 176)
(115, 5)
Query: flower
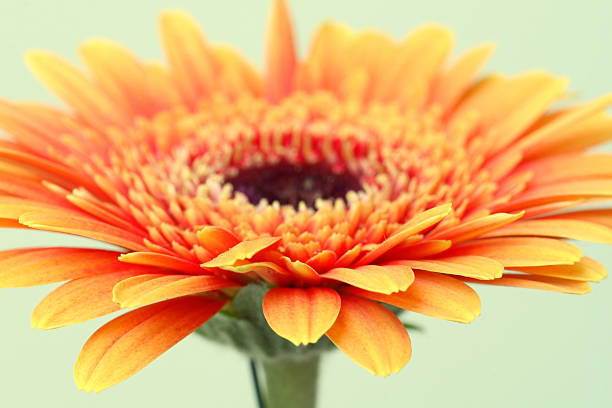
(369, 172)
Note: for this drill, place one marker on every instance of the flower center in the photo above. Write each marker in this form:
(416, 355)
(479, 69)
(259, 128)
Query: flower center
(291, 184)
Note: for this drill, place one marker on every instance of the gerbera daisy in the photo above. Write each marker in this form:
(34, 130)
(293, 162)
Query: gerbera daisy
(318, 198)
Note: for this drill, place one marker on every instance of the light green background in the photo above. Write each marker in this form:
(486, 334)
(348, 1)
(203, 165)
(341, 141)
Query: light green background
(528, 348)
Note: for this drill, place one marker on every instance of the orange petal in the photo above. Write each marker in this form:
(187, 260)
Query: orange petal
(41, 266)
(377, 278)
(188, 54)
(232, 63)
(477, 267)
(6, 223)
(586, 270)
(151, 288)
(79, 300)
(301, 271)
(434, 295)
(301, 316)
(476, 227)
(419, 250)
(370, 335)
(280, 52)
(49, 170)
(417, 224)
(412, 66)
(326, 58)
(557, 227)
(162, 261)
(75, 89)
(323, 261)
(14, 207)
(120, 74)
(602, 217)
(541, 282)
(457, 78)
(86, 227)
(216, 240)
(558, 131)
(125, 345)
(562, 191)
(522, 251)
(241, 251)
(568, 167)
(544, 90)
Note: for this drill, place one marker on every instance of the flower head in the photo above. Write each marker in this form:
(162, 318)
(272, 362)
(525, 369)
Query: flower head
(368, 172)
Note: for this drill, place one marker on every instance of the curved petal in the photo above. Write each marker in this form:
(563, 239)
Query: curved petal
(162, 261)
(79, 300)
(152, 288)
(83, 226)
(540, 282)
(241, 251)
(377, 278)
(522, 251)
(125, 345)
(370, 335)
(434, 295)
(301, 316)
(586, 270)
(75, 89)
(417, 224)
(41, 266)
(470, 266)
(558, 228)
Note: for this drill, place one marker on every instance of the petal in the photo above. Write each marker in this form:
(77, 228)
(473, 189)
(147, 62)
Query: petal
(48, 170)
(280, 52)
(546, 139)
(120, 74)
(412, 66)
(434, 295)
(15, 207)
(417, 224)
(568, 167)
(75, 89)
(377, 278)
(602, 217)
(152, 288)
(418, 250)
(370, 335)
(459, 75)
(557, 227)
(241, 251)
(476, 227)
(477, 267)
(522, 251)
(41, 266)
(162, 261)
(79, 300)
(541, 283)
(302, 272)
(301, 316)
(188, 55)
(83, 226)
(586, 270)
(216, 240)
(562, 191)
(125, 345)
(544, 90)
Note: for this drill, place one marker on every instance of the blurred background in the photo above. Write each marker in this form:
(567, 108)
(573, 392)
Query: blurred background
(528, 348)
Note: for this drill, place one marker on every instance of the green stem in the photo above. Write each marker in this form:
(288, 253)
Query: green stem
(288, 382)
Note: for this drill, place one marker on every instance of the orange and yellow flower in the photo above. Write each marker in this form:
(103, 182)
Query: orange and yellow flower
(368, 172)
